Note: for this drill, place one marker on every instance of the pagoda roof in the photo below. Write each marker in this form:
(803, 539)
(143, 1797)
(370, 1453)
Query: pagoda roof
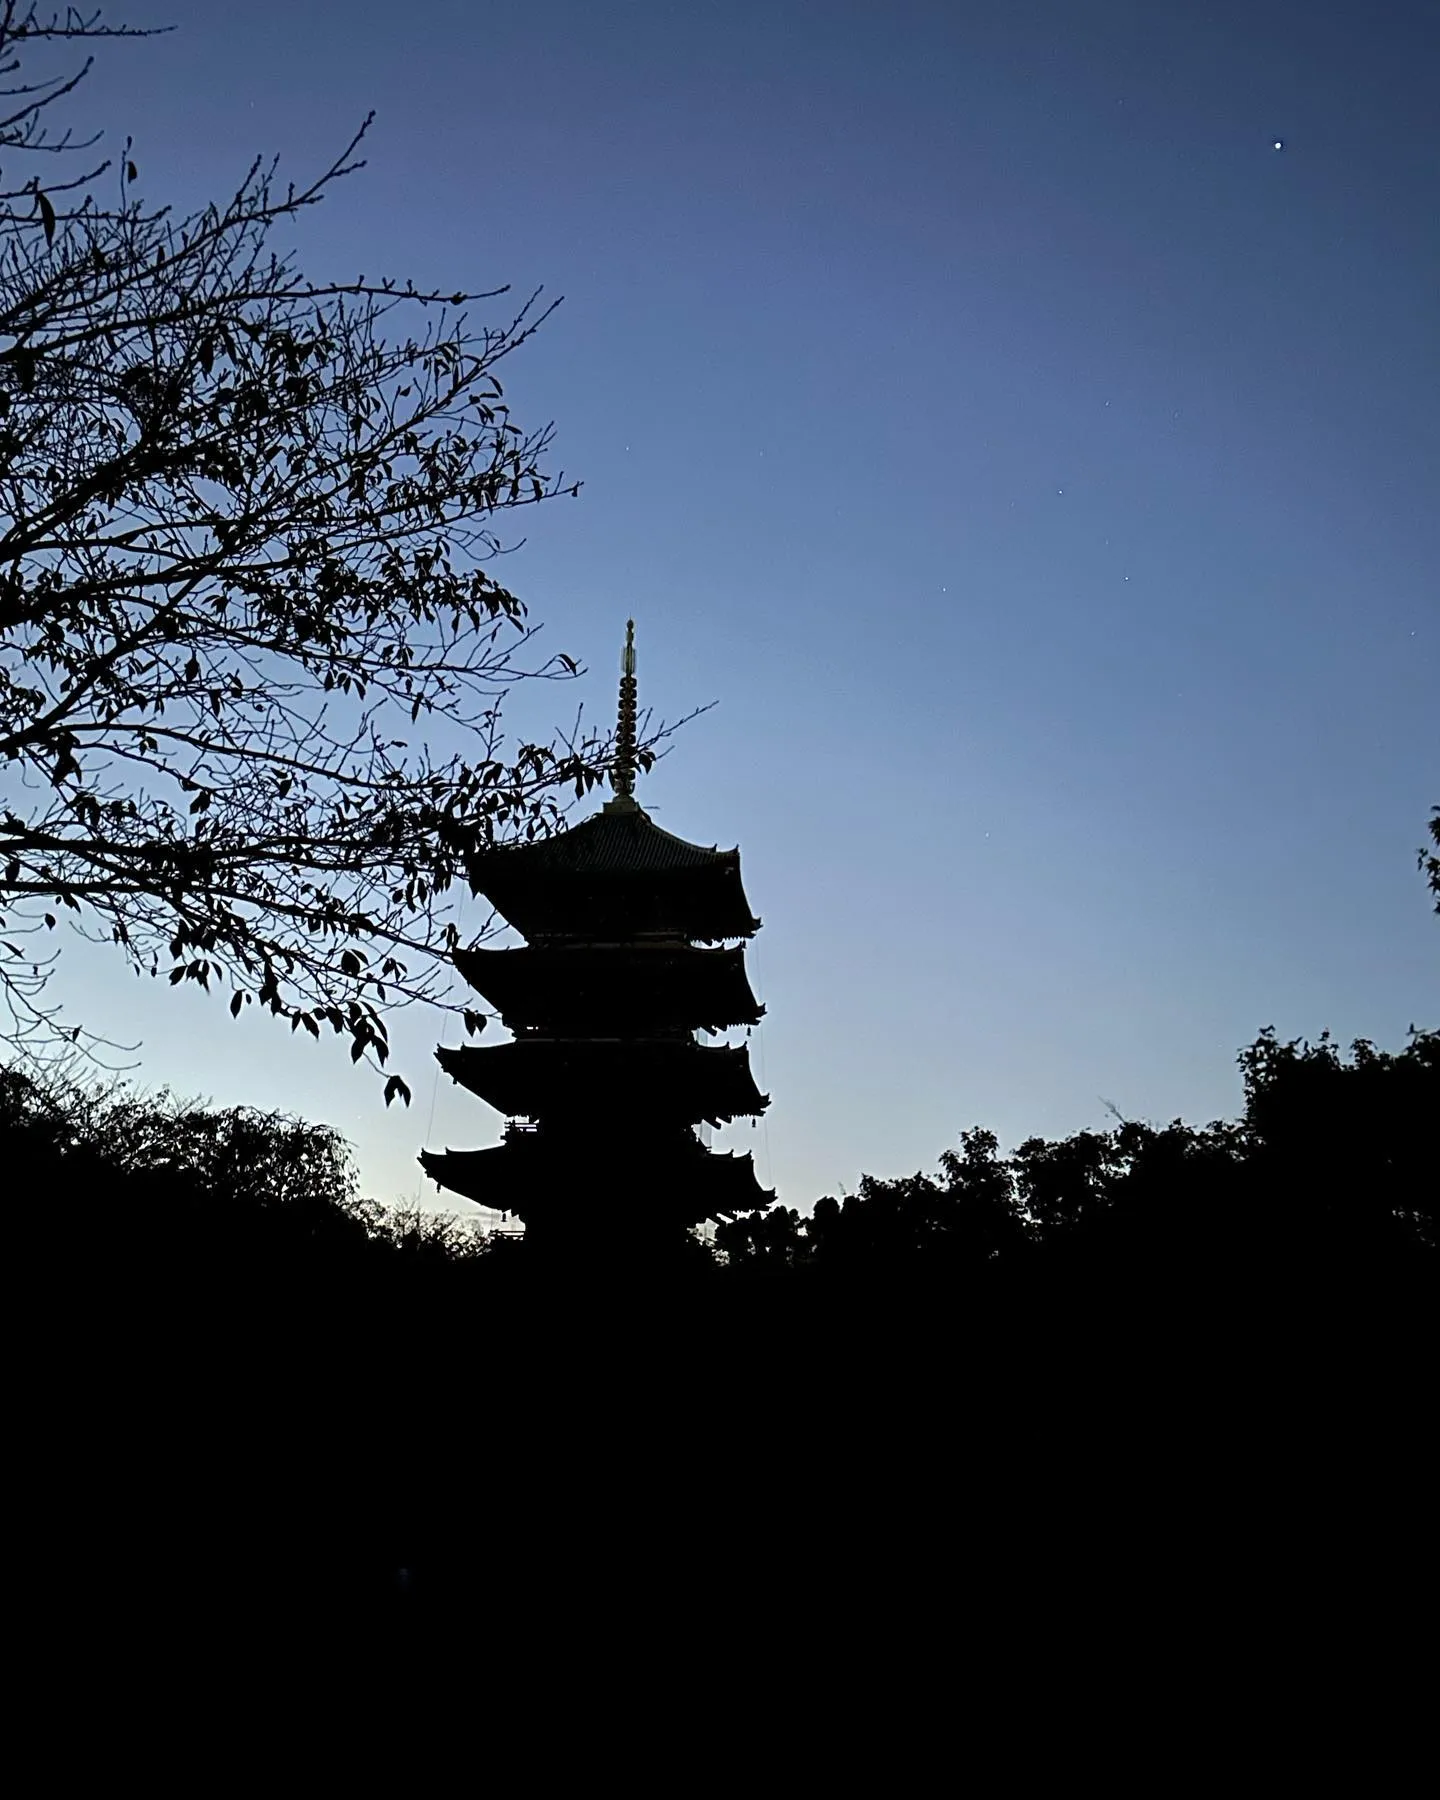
(529, 1174)
(620, 837)
(552, 1078)
(616, 873)
(626, 985)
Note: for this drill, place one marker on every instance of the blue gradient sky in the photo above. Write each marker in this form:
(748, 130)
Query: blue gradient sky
(1037, 466)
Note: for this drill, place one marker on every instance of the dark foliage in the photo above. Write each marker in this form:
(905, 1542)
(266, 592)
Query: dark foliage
(1429, 862)
(240, 1367)
(1332, 1158)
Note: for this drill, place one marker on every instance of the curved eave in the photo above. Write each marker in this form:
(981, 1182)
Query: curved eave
(627, 841)
(534, 1178)
(591, 989)
(623, 866)
(585, 908)
(547, 1078)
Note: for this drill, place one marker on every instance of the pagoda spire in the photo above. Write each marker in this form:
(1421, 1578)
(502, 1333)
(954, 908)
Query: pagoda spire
(622, 769)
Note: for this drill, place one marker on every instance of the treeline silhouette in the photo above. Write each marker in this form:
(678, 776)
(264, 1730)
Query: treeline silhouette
(1332, 1162)
(233, 1349)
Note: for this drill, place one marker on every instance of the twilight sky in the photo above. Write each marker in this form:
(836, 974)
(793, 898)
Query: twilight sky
(1020, 417)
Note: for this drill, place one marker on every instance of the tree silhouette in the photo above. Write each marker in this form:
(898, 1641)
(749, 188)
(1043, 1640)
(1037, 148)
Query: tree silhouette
(244, 523)
(1430, 864)
(209, 1286)
(1332, 1162)
(1344, 1152)
(766, 1239)
(917, 1224)
(150, 1187)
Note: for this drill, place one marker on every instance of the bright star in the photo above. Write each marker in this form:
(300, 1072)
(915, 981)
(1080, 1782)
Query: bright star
(1277, 145)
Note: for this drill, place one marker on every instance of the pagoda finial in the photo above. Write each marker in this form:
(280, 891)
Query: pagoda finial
(622, 769)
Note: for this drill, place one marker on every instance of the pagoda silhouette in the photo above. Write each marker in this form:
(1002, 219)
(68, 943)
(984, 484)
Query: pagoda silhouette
(630, 953)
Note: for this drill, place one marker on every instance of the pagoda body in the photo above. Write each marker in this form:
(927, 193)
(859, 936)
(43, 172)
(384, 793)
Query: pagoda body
(633, 945)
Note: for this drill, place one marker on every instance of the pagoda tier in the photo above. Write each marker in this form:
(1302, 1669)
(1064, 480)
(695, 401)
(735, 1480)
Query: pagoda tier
(616, 877)
(673, 1079)
(531, 1176)
(579, 989)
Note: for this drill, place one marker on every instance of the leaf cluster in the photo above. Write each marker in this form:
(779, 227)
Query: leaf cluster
(1429, 862)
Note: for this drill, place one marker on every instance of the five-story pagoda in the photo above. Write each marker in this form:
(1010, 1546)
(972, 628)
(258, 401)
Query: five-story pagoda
(633, 945)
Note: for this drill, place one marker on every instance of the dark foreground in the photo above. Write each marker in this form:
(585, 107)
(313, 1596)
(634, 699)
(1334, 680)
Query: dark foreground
(310, 1442)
